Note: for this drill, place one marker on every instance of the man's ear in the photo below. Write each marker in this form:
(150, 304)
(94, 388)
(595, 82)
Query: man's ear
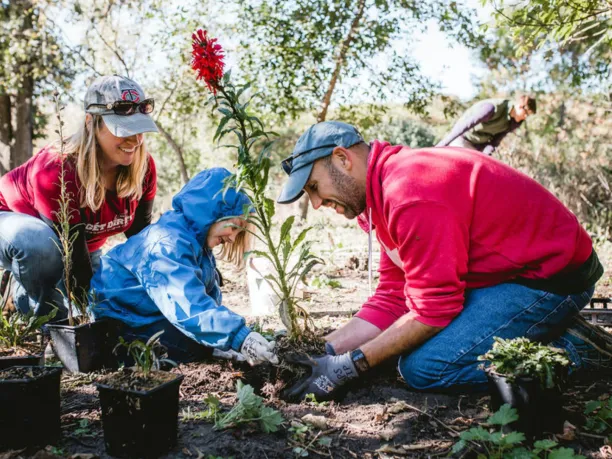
(342, 158)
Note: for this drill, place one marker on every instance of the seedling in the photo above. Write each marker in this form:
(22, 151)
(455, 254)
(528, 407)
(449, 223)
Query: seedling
(250, 408)
(20, 328)
(145, 355)
(83, 429)
(66, 233)
(521, 357)
(498, 445)
(324, 281)
(311, 398)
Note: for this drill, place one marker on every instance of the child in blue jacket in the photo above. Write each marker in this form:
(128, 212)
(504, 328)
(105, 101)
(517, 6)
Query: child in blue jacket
(165, 278)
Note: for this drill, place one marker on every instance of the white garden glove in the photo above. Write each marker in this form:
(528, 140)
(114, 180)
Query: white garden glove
(228, 355)
(256, 349)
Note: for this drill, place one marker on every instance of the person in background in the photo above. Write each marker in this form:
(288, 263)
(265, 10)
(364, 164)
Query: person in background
(165, 277)
(111, 180)
(485, 124)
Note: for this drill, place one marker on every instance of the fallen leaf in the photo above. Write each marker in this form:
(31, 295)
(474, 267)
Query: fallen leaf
(606, 452)
(186, 452)
(83, 456)
(387, 435)
(569, 432)
(397, 407)
(320, 422)
(12, 453)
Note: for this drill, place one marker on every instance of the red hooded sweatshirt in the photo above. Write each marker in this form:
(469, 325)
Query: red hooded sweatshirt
(450, 219)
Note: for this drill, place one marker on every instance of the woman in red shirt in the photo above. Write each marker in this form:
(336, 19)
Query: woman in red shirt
(110, 178)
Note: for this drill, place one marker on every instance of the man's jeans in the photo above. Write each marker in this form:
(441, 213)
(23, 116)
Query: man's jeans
(450, 358)
(30, 250)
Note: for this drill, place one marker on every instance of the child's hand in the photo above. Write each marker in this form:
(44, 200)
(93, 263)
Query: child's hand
(256, 349)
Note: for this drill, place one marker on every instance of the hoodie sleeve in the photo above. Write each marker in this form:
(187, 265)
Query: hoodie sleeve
(175, 282)
(388, 303)
(481, 115)
(433, 248)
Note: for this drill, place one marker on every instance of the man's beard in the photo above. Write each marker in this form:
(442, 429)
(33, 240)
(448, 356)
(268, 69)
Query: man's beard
(353, 197)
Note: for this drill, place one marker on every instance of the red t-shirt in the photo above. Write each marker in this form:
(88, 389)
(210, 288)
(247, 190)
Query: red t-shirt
(33, 188)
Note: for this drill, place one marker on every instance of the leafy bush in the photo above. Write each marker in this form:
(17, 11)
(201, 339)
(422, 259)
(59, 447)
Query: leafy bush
(145, 355)
(498, 444)
(250, 408)
(521, 357)
(405, 132)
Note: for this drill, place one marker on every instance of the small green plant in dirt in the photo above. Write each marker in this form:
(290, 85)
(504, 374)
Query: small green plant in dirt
(324, 281)
(520, 357)
(210, 413)
(145, 355)
(290, 256)
(18, 329)
(311, 398)
(83, 429)
(249, 409)
(599, 416)
(495, 444)
(303, 439)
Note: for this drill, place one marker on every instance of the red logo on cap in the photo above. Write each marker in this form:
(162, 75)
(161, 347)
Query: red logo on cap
(130, 94)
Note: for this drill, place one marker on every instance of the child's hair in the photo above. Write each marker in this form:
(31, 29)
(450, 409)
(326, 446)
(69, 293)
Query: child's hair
(234, 253)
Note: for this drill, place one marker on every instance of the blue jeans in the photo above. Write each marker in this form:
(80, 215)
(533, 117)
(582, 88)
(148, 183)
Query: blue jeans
(29, 249)
(449, 360)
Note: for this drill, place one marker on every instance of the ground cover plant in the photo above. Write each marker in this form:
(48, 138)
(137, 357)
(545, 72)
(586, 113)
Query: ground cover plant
(18, 332)
(523, 358)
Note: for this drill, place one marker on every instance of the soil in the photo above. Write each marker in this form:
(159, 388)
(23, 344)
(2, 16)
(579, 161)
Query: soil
(16, 373)
(133, 381)
(21, 351)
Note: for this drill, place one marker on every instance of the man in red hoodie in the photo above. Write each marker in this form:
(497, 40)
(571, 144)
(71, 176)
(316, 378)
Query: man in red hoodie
(471, 249)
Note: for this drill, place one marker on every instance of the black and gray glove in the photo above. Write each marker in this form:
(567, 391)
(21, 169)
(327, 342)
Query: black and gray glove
(328, 373)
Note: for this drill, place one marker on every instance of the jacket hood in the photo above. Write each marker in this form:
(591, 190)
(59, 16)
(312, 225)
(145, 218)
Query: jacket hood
(202, 201)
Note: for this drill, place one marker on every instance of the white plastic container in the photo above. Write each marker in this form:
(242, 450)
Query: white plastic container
(261, 296)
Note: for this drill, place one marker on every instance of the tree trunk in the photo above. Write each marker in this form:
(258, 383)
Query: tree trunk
(24, 122)
(340, 60)
(6, 133)
(178, 150)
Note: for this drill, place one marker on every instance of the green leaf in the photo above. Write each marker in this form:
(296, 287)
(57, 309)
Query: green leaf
(591, 406)
(513, 438)
(459, 446)
(545, 444)
(475, 433)
(325, 441)
(285, 229)
(564, 453)
(505, 415)
(269, 207)
(270, 419)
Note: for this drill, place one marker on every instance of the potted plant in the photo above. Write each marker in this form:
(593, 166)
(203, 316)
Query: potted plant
(140, 405)
(81, 344)
(529, 377)
(18, 339)
(30, 401)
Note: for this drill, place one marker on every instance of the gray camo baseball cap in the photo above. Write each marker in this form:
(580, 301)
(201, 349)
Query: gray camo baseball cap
(317, 142)
(106, 90)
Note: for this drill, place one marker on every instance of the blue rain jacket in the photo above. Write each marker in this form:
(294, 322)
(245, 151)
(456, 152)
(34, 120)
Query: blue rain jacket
(166, 272)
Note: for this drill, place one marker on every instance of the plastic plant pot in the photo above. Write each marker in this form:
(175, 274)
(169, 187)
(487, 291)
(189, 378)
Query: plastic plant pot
(21, 361)
(140, 423)
(30, 401)
(540, 409)
(82, 348)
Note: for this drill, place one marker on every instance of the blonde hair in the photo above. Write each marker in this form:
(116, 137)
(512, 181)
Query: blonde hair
(234, 253)
(83, 147)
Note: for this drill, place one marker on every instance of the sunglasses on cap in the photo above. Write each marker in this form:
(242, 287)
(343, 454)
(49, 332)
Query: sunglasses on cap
(287, 163)
(123, 107)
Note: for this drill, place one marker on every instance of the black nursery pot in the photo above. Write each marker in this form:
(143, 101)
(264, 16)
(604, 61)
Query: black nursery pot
(21, 361)
(30, 406)
(539, 409)
(82, 348)
(140, 423)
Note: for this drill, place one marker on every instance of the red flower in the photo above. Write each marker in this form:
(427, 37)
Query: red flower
(207, 59)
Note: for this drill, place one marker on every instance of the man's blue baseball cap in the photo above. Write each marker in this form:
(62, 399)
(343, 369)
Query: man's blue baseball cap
(317, 142)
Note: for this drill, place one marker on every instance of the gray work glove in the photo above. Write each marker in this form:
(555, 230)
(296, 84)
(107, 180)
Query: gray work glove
(256, 349)
(228, 355)
(328, 373)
